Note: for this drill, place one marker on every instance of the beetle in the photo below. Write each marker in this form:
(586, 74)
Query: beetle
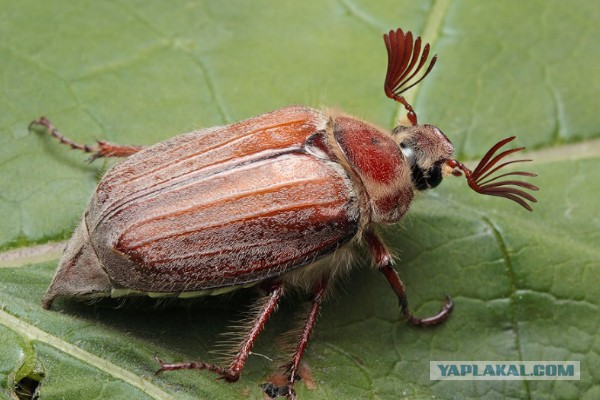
(276, 201)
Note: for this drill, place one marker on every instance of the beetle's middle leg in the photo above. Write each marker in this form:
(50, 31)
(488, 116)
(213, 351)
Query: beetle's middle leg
(318, 292)
(99, 150)
(234, 371)
(383, 261)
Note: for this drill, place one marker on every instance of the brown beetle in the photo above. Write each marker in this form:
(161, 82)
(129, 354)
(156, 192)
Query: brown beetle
(272, 201)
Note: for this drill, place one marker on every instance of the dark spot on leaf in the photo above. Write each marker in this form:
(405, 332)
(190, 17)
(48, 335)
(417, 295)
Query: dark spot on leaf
(28, 388)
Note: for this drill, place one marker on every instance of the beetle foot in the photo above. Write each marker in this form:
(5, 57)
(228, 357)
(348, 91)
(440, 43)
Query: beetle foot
(102, 149)
(281, 385)
(438, 318)
(225, 373)
(273, 390)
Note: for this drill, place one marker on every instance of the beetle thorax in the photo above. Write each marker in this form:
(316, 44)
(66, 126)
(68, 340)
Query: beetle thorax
(379, 163)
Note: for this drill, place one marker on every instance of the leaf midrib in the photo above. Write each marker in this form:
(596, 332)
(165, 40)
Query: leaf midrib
(33, 333)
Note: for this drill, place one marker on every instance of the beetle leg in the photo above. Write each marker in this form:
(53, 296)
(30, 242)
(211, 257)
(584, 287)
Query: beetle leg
(234, 371)
(383, 261)
(101, 149)
(293, 366)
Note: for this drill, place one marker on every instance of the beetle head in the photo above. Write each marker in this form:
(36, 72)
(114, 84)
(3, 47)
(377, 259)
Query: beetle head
(426, 149)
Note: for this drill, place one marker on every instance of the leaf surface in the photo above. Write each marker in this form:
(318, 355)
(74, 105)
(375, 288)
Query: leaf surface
(525, 285)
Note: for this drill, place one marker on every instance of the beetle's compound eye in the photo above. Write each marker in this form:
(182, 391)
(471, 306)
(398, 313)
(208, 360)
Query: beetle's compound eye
(409, 155)
(427, 179)
(435, 175)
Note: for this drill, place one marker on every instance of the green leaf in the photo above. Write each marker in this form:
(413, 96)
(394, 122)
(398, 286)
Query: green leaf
(524, 284)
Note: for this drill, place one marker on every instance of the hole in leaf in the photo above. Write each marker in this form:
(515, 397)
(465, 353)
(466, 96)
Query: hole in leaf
(28, 377)
(28, 388)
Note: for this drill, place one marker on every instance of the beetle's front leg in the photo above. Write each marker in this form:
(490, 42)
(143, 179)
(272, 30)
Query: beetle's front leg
(383, 261)
(234, 371)
(100, 150)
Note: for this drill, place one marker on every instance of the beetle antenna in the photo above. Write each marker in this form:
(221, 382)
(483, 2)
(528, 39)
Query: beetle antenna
(480, 179)
(403, 53)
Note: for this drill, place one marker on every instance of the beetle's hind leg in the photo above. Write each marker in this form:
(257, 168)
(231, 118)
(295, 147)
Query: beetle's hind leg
(99, 150)
(233, 372)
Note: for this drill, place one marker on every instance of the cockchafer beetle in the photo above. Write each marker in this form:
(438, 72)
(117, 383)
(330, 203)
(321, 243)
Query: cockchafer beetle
(274, 201)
